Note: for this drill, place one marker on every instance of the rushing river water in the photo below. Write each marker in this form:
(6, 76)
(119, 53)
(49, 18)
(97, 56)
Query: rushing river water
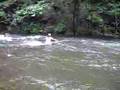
(26, 63)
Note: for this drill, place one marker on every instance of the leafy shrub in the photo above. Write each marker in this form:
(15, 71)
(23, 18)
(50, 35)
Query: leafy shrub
(60, 28)
(31, 28)
(95, 18)
(2, 13)
(32, 10)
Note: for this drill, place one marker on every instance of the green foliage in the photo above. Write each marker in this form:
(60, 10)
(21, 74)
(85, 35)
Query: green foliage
(2, 0)
(95, 18)
(60, 27)
(115, 9)
(31, 28)
(98, 12)
(32, 10)
(110, 8)
(104, 13)
(2, 13)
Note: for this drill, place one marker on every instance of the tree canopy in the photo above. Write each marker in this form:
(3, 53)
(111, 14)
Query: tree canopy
(63, 15)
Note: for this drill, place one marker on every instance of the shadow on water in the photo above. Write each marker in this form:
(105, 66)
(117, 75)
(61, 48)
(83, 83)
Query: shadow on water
(69, 64)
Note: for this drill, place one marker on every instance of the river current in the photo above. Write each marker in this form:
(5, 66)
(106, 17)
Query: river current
(27, 63)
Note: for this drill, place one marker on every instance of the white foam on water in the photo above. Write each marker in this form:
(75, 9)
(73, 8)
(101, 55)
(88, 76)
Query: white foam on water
(99, 43)
(32, 43)
(6, 38)
(9, 55)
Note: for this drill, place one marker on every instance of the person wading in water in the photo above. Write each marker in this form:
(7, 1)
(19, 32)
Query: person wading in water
(50, 40)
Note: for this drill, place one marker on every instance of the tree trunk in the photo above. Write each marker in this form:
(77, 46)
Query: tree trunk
(116, 24)
(76, 4)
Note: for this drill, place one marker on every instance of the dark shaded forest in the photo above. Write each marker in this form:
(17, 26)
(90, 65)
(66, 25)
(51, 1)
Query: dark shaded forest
(64, 17)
